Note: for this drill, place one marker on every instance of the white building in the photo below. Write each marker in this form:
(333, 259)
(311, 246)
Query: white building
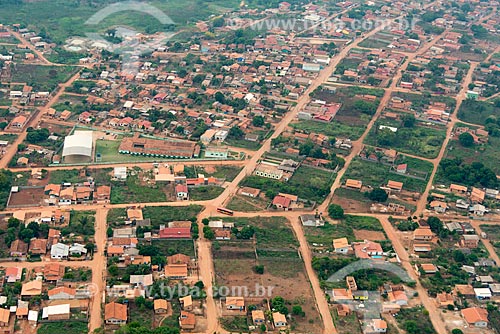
(59, 251)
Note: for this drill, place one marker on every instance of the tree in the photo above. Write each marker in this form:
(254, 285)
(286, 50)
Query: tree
(109, 232)
(435, 224)
(263, 328)
(208, 233)
(457, 331)
(258, 121)
(205, 221)
(297, 310)
(259, 269)
(408, 120)
(466, 139)
(335, 211)
(236, 132)
(377, 195)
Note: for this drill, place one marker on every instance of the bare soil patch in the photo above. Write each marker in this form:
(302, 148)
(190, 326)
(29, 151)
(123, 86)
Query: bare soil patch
(369, 235)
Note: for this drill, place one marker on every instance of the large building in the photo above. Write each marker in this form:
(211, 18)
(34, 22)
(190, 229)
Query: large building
(159, 148)
(78, 147)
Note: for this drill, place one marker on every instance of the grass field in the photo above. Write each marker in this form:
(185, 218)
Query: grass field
(477, 112)
(62, 19)
(131, 191)
(325, 234)
(318, 181)
(164, 214)
(42, 78)
(171, 247)
(376, 174)
(333, 129)
(485, 153)
(8, 137)
(205, 193)
(108, 149)
(63, 327)
(63, 176)
(422, 141)
(246, 204)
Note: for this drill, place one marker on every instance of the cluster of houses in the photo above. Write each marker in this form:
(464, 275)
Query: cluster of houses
(277, 170)
(80, 193)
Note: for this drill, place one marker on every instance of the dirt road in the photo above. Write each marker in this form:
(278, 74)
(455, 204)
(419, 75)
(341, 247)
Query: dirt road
(34, 120)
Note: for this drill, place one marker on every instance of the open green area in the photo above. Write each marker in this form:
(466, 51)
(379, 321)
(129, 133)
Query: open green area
(80, 223)
(205, 193)
(421, 101)
(486, 153)
(8, 137)
(417, 140)
(477, 112)
(42, 78)
(415, 320)
(376, 174)
(164, 214)
(108, 151)
(235, 324)
(318, 181)
(63, 327)
(132, 191)
(59, 19)
(6, 181)
(171, 247)
(345, 228)
(348, 324)
(247, 204)
(334, 129)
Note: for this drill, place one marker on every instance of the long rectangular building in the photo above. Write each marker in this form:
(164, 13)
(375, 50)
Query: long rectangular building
(159, 148)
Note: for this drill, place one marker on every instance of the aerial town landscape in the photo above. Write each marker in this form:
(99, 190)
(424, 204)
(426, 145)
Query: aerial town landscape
(228, 166)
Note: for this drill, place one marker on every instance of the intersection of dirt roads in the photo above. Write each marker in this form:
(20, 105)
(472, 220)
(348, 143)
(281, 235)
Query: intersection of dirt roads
(206, 268)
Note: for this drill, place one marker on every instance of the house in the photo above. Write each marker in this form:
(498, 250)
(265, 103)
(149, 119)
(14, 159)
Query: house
(103, 194)
(187, 320)
(77, 249)
(32, 317)
(422, 248)
(176, 271)
(423, 234)
(56, 312)
(343, 310)
(258, 317)
(181, 192)
(235, 303)
(477, 195)
(115, 314)
(402, 168)
(61, 293)
(4, 318)
(482, 293)
(59, 251)
(160, 306)
(222, 234)
(312, 220)
(341, 294)
(179, 259)
(476, 317)
(444, 299)
(13, 274)
(375, 326)
(120, 173)
(398, 297)
(439, 206)
(18, 122)
(394, 185)
(38, 246)
(429, 268)
(176, 233)
(18, 248)
(53, 272)
(465, 290)
(341, 245)
(469, 241)
(458, 189)
(354, 184)
(279, 320)
(141, 280)
(282, 202)
(186, 303)
(478, 210)
(250, 192)
(32, 288)
(367, 249)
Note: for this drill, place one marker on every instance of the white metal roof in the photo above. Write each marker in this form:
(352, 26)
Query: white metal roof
(80, 143)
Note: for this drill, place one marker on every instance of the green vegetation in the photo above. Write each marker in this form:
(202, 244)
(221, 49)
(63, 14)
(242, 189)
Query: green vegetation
(131, 191)
(108, 151)
(63, 327)
(164, 214)
(415, 320)
(42, 78)
(334, 129)
(335, 211)
(477, 112)
(65, 176)
(5, 184)
(318, 181)
(454, 170)
(234, 324)
(420, 101)
(418, 140)
(80, 223)
(325, 234)
(377, 174)
(205, 193)
(485, 153)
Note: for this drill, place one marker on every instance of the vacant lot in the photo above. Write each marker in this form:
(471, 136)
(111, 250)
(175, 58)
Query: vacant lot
(42, 78)
(134, 191)
(247, 204)
(421, 101)
(63, 327)
(205, 193)
(283, 269)
(318, 181)
(164, 214)
(477, 112)
(420, 140)
(26, 197)
(171, 247)
(376, 174)
(346, 228)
